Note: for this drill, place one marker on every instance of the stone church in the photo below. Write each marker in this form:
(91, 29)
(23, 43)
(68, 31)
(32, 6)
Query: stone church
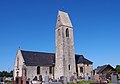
(62, 65)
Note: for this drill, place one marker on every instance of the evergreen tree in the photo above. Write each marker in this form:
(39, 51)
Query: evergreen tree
(6, 74)
(118, 69)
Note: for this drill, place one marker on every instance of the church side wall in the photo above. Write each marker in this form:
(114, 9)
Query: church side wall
(32, 72)
(45, 72)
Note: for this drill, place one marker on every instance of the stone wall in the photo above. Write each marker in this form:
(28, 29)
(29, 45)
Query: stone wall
(87, 70)
(32, 72)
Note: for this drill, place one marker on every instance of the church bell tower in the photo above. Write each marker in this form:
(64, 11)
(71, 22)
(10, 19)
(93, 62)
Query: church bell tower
(65, 57)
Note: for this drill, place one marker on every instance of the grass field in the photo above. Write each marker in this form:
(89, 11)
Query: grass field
(88, 82)
(84, 82)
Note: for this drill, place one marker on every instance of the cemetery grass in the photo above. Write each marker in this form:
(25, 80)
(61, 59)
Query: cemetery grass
(83, 82)
(8, 82)
(88, 82)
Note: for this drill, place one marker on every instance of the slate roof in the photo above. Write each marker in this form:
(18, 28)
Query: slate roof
(46, 59)
(38, 58)
(81, 59)
(100, 69)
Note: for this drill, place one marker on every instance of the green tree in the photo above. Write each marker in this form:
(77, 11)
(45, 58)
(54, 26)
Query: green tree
(117, 69)
(11, 74)
(6, 74)
(0, 74)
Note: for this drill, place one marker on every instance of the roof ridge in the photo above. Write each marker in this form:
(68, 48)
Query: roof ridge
(79, 54)
(37, 52)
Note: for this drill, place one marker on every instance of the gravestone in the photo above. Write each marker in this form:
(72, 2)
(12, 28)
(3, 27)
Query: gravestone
(46, 79)
(92, 78)
(102, 77)
(27, 82)
(40, 78)
(61, 79)
(24, 80)
(114, 79)
(35, 78)
(118, 81)
(55, 83)
(71, 78)
(86, 77)
(96, 77)
(35, 82)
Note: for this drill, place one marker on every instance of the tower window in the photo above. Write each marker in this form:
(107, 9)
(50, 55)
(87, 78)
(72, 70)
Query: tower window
(67, 32)
(81, 69)
(69, 66)
(59, 18)
(38, 70)
(58, 32)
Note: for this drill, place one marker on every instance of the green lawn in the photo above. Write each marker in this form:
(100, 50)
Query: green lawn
(84, 82)
(8, 82)
(87, 82)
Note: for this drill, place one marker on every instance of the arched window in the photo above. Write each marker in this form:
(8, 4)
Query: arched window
(69, 66)
(81, 69)
(67, 32)
(38, 70)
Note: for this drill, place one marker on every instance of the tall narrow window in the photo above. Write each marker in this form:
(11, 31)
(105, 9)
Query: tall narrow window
(69, 66)
(17, 62)
(50, 70)
(81, 69)
(25, 72)
(58, 32)
(17, 73)
(67, 32)
(38, 70)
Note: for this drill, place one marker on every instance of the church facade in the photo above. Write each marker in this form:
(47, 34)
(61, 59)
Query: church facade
(62, 65)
